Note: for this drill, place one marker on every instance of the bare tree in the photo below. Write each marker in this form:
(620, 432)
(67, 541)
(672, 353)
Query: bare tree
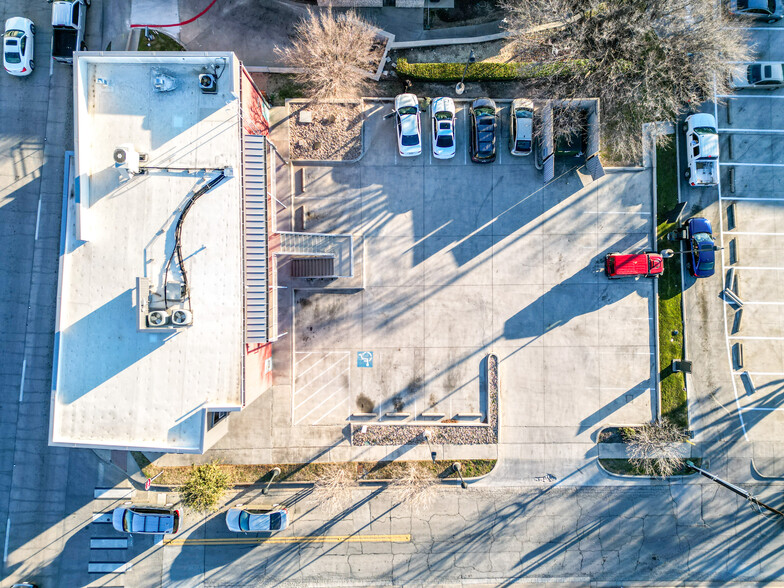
(335, 52)
(334, 489)
(646, 61)
(654, 448)
(416, 485)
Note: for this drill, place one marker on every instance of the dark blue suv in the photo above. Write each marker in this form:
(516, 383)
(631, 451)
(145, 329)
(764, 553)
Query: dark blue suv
(703, 252)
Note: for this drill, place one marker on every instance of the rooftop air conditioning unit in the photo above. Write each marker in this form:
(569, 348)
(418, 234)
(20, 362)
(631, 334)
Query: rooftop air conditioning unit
(157, 318)
(208, 83)
(126, 156)
(182, 317)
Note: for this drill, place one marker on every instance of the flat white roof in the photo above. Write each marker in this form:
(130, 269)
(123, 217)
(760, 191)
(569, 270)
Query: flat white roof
(115, 385)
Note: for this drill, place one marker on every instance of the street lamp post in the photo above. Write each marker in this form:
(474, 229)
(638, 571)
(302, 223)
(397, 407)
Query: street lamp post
(460, 87)
(456, 468)
(428, 435)
(275, 472)
(739, 491)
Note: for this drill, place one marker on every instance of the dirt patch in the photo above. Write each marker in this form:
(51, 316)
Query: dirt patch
(334, 133)
(365, 404)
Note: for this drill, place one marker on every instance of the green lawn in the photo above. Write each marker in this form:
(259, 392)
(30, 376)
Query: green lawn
(160, 42)
(673, 385)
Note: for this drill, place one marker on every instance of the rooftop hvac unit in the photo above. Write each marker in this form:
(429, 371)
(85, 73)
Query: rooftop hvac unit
(162, 82)
(208, 83)
(182, 317)
(126, 156)
(157, 318)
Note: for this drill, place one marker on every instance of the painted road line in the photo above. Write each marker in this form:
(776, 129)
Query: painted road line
(316, 422)
(750, 338)
(753, 233)
(113, 493)
(7, 536)
(747, 303)
(21, 383)
(38, 218)
(323, 371)
(749, 198)
(746, 164)
(102, 517)
(109, 543)
(290, 540)
(737, 373)
(320, 389)
(320, 404)
(752, 131)
(108, 567)
(762, 408)
(756, 268)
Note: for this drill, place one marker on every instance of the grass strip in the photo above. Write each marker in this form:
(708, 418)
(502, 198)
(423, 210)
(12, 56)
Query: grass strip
(159, 42)
(627, 468)
(673, 384)
(310, 472)
(488, 71)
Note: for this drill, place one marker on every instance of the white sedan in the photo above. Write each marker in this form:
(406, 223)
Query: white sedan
(18, 46)
(442, 117)
(409, 127)
(760, 75)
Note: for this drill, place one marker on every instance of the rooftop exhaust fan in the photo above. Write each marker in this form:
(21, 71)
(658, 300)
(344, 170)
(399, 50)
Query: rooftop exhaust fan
(208, 83)
(157, 318)
(182, 317)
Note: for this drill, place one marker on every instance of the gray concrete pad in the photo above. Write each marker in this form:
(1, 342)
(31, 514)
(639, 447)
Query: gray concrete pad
(752, 110)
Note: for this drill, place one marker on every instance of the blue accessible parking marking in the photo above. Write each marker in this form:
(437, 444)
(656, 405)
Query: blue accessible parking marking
(365, 359)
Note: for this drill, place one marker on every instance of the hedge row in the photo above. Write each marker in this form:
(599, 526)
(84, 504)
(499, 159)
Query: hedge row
(486, 71)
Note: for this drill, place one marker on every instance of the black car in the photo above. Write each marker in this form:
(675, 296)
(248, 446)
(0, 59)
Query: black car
(484, 128)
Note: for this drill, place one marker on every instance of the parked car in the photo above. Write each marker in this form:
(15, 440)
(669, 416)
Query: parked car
(768, 10)
(483, 128)
(702, 150)
(68, 28)
(409, 127)
(760, 75)
(242, 519)
(624, 265)
(146, 519)
(521, 126)
(702, 246)
(442, 118)
(18, 46)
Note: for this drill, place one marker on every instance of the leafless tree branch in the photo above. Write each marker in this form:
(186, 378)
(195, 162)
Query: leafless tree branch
(654, 448)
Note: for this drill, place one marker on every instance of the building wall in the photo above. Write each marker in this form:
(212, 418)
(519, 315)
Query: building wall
(255, 110)
(258, 370)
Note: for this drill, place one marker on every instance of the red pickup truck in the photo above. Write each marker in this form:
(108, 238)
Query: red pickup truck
(622, 265)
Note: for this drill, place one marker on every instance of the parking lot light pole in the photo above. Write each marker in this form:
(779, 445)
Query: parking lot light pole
(460, 87)
(456, 468)
(428, 435)
(735, 489)
(275, 472)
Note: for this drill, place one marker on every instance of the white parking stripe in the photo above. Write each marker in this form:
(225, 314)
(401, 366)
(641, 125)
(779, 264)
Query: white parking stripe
(753, 233)
(736, 373)
(762, 408)
(756, 338)
(753, 131)
(319, 361)
(748, 164)
(320, 389)
(747, 96)
(752, 303)
(750, 198)
(752, 268)
(319, 405)
(316, 422)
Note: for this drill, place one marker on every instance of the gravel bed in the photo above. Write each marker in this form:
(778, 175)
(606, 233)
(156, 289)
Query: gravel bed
(442, 434)
(335, 133)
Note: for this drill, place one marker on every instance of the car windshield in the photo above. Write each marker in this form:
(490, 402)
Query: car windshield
(244, 521)
(444, 141)
(443, 115)
(484, 110)
(705, 131)
(523, 145)
(14, 33)
(524, 113)
(703, 239)
(754, 74)
(407, 110)
(13, 58)
(126, 521)
(409, 140)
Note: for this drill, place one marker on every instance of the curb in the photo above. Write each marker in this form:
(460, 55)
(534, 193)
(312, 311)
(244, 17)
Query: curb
(397, 45)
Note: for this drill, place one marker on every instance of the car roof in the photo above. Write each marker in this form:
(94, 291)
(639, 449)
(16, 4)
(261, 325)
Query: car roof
(408, 124)
(402, 100)
(480, 102)
(443, 104)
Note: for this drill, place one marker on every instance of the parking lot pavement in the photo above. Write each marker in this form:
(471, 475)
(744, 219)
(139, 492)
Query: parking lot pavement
(461, 259)
(736, 394)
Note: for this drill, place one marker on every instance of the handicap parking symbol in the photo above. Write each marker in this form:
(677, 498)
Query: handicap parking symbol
(365, 359)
